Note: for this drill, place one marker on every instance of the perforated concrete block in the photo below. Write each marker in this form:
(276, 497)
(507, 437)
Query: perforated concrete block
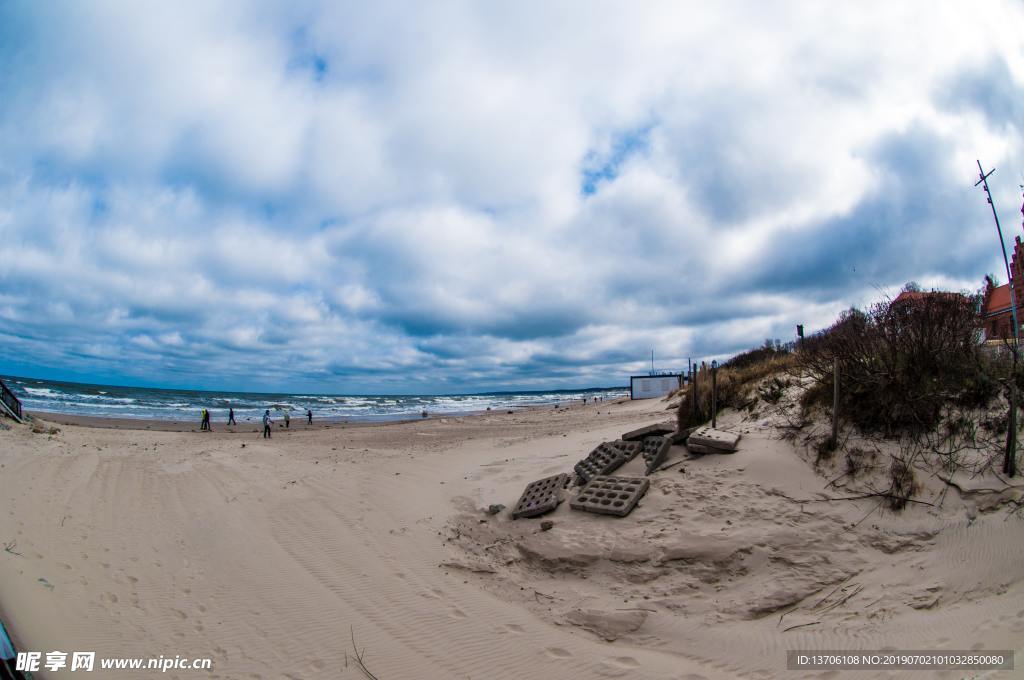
(649, 431)
(603, 460)
(608, 495)
(654, 451)
(541, 496)
(715, 439)
(628, 448)
(679, 436)
(699, 448)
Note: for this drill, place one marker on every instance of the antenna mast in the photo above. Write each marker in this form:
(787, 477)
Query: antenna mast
(1010, 457)
(1002, 244)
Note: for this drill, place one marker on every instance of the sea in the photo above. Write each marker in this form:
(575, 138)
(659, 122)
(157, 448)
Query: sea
(177, 405)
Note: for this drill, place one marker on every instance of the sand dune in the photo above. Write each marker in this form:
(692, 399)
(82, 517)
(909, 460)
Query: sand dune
(268, 557)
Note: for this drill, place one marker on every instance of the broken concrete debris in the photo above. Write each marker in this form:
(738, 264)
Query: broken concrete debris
(719, 441)
(654, 451)
(603, 460)
(649, 431)
(541, 496)
(608, 495)
(603, 493)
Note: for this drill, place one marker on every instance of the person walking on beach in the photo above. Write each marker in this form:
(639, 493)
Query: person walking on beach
(231, 416)
(309, 416)
(205, 423)
(287, 420)
(267, 423)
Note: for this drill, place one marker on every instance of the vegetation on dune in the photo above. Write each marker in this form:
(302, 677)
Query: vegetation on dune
(912, 371)
(900, 363)
(738, 383)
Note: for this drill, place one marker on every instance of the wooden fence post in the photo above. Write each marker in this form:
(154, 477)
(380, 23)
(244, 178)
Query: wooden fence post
(714, 394)
(835, 402)
(694, 385)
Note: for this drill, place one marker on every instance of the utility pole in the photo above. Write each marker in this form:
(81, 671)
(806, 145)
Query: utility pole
(1010, 459)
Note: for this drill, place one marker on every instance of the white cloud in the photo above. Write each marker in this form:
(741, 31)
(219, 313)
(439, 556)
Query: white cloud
(222, 190)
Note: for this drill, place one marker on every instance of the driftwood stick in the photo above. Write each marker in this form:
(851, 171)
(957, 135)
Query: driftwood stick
(839, 602)
(801, 625)
(876, 494)
(359, 656)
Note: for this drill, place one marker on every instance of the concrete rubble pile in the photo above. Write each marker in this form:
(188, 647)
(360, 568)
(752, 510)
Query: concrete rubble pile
(599, 491)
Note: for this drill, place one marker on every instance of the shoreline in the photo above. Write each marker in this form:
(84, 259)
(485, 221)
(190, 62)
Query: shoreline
(297, 424)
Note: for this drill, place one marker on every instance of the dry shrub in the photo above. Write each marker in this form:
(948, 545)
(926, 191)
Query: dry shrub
(857, 460)
(902, 483)
(901, 362)
(826, 449)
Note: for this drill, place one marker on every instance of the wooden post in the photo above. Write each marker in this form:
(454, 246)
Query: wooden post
(694, 381)
(714, 394)
(1010, 457)
(835, 402)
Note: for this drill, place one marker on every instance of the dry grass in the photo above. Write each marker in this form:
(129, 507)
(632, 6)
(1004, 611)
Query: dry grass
(738, 388)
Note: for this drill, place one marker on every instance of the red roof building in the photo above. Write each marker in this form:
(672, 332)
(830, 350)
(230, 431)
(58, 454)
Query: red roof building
(996, 308)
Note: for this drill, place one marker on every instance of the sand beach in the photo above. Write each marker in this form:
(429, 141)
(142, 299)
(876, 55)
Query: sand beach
(269, 556)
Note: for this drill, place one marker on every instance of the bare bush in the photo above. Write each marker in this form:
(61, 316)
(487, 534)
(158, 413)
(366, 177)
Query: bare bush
(902, 485)
(901, 362)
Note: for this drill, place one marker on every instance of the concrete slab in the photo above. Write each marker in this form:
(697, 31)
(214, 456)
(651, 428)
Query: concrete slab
(603, 460)
(631, 449)
(679, 436)
(654, 451)
(541, 496)
(700, 448)
(715, 439)
(649, 430)
(608, 495)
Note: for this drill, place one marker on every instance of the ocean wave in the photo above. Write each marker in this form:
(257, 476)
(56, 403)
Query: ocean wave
(186, 405)
(44, 392)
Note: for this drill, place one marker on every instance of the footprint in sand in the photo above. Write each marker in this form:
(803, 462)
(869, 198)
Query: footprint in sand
(558, 653)
(457, 613)
(514, 628)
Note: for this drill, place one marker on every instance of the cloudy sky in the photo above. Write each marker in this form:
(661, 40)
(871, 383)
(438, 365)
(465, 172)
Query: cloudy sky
(444, 196)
